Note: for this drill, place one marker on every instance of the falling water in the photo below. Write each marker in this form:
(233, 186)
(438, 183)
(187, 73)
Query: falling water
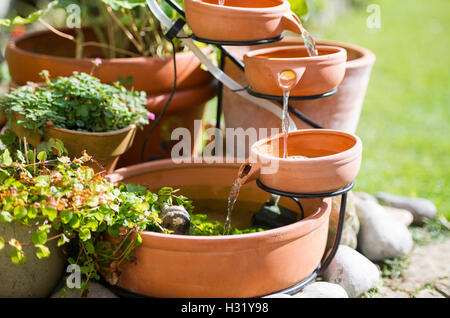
(286, 80)
(234, 192)
(310, 44)
(221, 2)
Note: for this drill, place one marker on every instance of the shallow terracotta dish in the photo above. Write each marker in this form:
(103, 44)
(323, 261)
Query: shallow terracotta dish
(333, 161)
(247, 265)
(240, 20)
(316, 74)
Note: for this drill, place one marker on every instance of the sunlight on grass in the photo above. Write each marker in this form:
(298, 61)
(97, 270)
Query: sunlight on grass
(404, 124)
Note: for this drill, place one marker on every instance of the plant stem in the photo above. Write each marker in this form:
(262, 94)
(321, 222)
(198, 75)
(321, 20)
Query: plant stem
(124, 29)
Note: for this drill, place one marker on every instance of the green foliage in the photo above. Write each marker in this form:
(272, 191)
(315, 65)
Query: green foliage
(79, 102)
(433, 230)
(32, 17)
(97, 222)
(393, 268)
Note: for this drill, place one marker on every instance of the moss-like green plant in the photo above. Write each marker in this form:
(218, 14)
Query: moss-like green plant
(79, 102)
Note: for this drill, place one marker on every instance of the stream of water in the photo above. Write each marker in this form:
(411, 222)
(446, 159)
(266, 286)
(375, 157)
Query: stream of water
(232, 197)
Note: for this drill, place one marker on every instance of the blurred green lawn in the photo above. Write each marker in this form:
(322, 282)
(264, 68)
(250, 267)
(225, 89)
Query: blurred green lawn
(404, 124)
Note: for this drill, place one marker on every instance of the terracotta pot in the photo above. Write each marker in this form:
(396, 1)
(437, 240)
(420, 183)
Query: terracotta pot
(105, 147)
(185, 107)
(247, 265)
(36, 277)
(240, 20)
(340, 111)
(333, 161)
(315, 74)
(32, 52)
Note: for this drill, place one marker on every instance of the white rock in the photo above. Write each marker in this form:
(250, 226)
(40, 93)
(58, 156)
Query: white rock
(365, 196)
(96, 290)
(422, 209)
(278, 296)
(381, 236)
(351, 270)
(401, 215)
(322, 290)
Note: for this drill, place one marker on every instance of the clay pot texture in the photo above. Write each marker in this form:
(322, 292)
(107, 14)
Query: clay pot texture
(32, 52)
(185, 107)
(105, 147)
(334, 159)
(247, 265)
(315, 74)
(240, 20)
(340, 111)
(36, 277)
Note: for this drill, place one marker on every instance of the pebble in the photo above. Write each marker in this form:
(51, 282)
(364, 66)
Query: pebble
(422, 209)
(322, 290)
(381, 235)
(353, 271)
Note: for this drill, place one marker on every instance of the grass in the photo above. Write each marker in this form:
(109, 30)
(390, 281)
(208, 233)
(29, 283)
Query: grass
(404, 124)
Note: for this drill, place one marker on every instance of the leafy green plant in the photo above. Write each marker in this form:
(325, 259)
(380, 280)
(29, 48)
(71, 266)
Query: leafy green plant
(98, 223)
(79, 102)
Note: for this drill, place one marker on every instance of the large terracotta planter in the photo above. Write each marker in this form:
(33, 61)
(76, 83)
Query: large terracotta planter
(315, 74)
(240, 20)
(340, 111)
(245, 265)
(185, 107)
(105, 147)
(36, 277)
(333, 161)
(32, 52)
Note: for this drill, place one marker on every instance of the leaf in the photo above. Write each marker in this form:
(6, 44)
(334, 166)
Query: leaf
(62, 240)
(138, 239)
(50, 211)
(39, 237)
(42, 156)
(32, 17)
(125, 4)
(5, 217)
(2, 243)
(42, 181)
(42, 251)
(18, 257)
(6, 158)
(113, 230)
(14, 243)
(75, 222)
(66, 216)
(20, 212)
(90, 247)
(84, 234)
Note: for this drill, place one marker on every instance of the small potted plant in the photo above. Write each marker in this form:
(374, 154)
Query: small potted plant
(79, 110)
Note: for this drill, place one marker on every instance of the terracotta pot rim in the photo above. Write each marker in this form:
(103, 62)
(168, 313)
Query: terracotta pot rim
(338, 158)
(97, 134)
(338, 53)
(274, 10)
(12, 45)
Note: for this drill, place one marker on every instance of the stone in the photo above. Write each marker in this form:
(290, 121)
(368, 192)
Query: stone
(365, 196)
(351, 222)
(35, 278)
(422, 209)
(403, 216)
(96, 290)
(322, 290)
(279, 295)
(381, 236)
(443, 286)
(429, 293)
(176, 219)
(353, 271)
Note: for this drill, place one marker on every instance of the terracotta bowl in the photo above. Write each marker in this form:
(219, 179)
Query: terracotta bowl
(317, 74)
(334, 159)
(240, 20)
(247, 265)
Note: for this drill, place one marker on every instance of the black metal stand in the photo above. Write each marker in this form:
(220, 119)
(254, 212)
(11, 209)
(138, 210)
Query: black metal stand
(326, 260)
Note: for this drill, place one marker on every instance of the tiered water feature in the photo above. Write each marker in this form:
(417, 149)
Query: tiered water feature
(321, 164)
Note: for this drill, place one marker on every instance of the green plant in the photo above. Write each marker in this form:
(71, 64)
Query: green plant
(98, 223)
(123, 28)
(393, 268)
(436, 229)
(79, 102)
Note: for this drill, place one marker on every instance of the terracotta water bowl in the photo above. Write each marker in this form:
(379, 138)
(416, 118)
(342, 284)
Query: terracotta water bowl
(244, 265)
(333, 161)
(315, 74)
(240, 20)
